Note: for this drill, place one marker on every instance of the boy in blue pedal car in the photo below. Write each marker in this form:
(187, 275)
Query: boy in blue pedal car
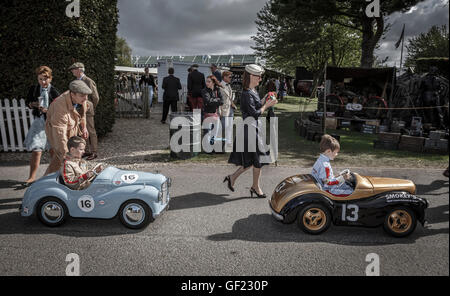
(76, 172)
(323, 173)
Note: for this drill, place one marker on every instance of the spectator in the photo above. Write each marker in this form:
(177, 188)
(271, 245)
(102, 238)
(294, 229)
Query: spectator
(66, 118)
(277, 84)
(228, 107)
(251, 106)
(39, 98)
(92, 102)
(148, 81)
(212, 100)
(282, 90)
(196, 83)
(171, 85)
(216, 72)
(133, 82)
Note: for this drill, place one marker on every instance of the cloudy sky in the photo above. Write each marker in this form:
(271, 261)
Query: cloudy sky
(197, 27)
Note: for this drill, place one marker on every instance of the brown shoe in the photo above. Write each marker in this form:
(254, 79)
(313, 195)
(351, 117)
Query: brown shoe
(445, 173)
(92, 156)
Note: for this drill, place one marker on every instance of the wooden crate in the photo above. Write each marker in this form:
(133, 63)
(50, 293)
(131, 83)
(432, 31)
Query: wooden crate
(413, 141)
(409, 143)
(389, 137)
(385, 145)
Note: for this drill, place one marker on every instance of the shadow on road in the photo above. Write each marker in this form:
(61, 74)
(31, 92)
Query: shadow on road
(16, 185)
(434, 186)
(13, 223)
(200, 199)
(263, 228)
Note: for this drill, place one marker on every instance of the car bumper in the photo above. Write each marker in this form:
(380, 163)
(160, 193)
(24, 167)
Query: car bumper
(275, 215)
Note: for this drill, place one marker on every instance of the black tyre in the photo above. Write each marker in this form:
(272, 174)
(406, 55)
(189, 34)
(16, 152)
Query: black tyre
(52, 211)
(135, 214)
(314, 219)
(400, 222)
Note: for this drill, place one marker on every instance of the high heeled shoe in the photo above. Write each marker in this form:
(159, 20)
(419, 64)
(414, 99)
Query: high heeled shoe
(252, 190)
(227, 178)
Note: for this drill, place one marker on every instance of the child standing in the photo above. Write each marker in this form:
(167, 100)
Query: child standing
(76, 171)
(323, 173)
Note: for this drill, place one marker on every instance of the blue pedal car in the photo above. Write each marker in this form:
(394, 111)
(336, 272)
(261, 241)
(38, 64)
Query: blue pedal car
(136, 197)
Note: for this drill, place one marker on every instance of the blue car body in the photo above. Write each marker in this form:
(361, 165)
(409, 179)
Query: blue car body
(104, 197)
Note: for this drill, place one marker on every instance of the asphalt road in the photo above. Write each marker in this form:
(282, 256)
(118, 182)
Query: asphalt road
(212, 231)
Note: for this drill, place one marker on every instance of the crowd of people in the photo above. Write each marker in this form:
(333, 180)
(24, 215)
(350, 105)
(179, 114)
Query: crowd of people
(58, 117)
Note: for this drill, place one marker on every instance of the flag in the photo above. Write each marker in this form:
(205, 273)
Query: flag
(401, 37)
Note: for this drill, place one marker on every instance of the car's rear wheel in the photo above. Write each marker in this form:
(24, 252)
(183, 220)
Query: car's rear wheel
(400, 222)
(135, 214)
(52, 211)
(314, 219)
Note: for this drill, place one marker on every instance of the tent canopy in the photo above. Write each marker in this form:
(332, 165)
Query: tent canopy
(152, 71)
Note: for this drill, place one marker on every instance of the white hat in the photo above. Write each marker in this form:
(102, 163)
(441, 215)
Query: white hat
(254, 69)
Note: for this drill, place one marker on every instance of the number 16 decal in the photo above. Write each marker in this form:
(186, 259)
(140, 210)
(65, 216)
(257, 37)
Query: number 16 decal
(353, 217)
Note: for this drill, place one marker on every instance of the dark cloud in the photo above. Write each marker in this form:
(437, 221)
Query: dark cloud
(188, 27)
(168, 27)
(418, 20)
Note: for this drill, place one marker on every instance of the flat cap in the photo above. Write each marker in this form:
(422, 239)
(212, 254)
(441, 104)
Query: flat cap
(254, 69)
(79, 87)
(76, 66)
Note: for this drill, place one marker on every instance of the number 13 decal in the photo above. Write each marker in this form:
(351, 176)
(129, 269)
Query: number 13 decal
(353, 217)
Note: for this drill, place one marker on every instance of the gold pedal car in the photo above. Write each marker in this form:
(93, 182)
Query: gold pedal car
(374, 202)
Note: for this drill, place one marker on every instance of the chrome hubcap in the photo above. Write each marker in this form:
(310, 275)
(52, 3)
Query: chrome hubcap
(52, 212)
(134, 214)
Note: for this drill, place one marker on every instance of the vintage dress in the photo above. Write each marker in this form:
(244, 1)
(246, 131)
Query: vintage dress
(323, 173)
(250, 107)
(36, 139)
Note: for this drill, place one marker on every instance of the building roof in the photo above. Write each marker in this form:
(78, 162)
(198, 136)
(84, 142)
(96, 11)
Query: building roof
(219, 60)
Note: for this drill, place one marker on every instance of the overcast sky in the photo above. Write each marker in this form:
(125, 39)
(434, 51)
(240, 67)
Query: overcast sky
(197, 27)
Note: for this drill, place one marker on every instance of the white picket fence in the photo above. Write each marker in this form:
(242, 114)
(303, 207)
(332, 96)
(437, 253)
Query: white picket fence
(15, 120)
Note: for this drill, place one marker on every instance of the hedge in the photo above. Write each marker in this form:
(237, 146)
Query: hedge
(35, 33)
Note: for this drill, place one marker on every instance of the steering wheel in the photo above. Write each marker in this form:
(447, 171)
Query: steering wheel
(95, 174)
(352, 180)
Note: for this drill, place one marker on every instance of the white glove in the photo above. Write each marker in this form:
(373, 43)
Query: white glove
(344, 172)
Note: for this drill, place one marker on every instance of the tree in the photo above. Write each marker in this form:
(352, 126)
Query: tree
(434, 43)
(123, 53)
(293, 41)
(349, 14)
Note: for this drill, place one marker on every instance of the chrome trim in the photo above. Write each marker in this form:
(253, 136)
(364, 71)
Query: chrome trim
(52, 212)
(134, 214)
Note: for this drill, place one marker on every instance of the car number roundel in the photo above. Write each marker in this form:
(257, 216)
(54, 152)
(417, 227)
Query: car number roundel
(86, 203)
(129, 178)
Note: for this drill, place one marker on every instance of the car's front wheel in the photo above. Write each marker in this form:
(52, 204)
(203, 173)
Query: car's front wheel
(135, 214)
(52, 211)
(314, 219)
(400, 222)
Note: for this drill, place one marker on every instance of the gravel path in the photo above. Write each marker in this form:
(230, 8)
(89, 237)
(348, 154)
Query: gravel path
(131, 144)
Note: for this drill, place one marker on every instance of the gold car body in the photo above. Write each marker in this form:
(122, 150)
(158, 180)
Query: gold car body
(298, 185)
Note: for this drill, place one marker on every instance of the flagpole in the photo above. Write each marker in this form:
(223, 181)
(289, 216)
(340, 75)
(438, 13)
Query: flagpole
(401, 54)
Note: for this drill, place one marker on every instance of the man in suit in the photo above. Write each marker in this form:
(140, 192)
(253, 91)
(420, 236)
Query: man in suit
(196, 82)
(93, 99)
(171, 85)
